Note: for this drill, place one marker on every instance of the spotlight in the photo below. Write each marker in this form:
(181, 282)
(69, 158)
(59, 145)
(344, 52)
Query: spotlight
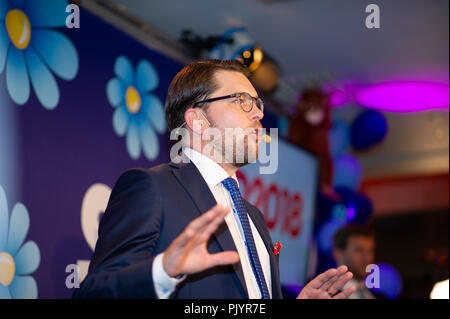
(252, 58)
(236, 44)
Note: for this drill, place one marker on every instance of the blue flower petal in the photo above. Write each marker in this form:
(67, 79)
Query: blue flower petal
(52, 14)
(155, 112)
(124, 70)
(4, 9)
(115, 92)
(18, 228)
(133, 142)
(146, 77)
(27, 259)
(150, 143)
(4, 292)
(4, 45)
(17, 76)
(43, 81)
(57, 51)
(3, 220)
(23, 287)
(17, 4)
(120, 120)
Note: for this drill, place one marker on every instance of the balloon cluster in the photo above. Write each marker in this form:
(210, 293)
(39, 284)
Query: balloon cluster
(368, 129)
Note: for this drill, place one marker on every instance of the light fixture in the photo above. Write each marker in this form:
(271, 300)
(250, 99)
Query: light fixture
(236, 44)
(440, 290)
(401, 96)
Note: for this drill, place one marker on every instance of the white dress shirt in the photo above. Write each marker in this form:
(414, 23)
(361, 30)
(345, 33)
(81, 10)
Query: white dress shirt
(214, 174)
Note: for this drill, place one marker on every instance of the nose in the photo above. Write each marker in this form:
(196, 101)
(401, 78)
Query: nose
(256, 113)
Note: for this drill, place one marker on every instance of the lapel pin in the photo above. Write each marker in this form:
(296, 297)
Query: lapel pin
(277, 248)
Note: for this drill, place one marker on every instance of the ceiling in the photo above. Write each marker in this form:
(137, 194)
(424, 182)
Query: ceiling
(323, 40)
(311, 39)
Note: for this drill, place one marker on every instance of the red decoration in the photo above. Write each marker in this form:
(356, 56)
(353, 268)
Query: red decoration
(277, 248)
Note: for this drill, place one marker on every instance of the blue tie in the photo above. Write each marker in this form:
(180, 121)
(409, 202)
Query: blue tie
(231, 185)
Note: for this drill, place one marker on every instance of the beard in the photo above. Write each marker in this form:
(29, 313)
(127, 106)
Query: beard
(237, 147)
(242, 156)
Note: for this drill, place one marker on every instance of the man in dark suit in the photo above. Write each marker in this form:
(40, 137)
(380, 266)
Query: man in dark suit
(183, 230)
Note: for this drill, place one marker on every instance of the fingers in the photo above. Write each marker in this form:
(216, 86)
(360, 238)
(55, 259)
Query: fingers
(328, 283)
(346, 293)
(342, 270)
(210, 228)
(340, 283)
(223, 258)
(207, 223)
(331, 276)
(193, 238)
(217, 212)
(320, 280)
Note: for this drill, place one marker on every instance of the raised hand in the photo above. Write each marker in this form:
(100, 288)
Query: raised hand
(188, 253)
(327, 285)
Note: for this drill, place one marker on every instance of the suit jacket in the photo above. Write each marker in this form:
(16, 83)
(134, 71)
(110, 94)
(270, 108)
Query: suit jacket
(147, 210)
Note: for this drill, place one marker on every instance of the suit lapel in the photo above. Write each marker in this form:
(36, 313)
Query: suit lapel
(194, 184)
(260, 225)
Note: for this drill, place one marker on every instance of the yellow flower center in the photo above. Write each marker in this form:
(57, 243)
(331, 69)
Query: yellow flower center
(7, 268)
(133, 100)
(19, 29)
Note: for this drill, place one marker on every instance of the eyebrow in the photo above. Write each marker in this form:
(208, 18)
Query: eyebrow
(240, 92)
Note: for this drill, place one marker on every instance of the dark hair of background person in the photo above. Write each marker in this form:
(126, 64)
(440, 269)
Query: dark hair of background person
(340, 239)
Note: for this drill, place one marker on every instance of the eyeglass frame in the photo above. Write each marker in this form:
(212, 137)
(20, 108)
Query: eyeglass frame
(256, 100)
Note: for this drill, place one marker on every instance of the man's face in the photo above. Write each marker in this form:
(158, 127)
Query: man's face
(227, 115)
(359, 253)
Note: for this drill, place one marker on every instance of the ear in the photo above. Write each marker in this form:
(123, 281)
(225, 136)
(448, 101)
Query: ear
(193, 121)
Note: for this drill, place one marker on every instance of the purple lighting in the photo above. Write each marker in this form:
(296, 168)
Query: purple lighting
(339, 98)
(405, 96)
(350, 213)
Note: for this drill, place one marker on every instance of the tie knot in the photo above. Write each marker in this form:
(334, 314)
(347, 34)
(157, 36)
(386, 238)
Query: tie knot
(230, 184)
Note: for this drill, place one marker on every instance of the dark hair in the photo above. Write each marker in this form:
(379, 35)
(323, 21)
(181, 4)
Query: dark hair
(340, 239)
(192, 84)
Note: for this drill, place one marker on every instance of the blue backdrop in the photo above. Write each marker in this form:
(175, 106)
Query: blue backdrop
(77, 108)
(51, 155)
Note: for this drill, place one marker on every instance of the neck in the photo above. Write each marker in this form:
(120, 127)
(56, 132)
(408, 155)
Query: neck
(228, 167)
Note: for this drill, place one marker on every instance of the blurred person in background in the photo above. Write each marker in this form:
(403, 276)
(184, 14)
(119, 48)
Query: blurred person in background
(354, 246)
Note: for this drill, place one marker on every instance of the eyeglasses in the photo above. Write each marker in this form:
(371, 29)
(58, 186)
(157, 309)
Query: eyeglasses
(245, 100)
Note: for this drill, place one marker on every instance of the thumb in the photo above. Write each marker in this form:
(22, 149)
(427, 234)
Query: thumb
(223, 258)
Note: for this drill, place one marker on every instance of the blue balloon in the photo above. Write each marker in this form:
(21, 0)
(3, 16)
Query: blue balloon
(385, 280)
(358, 206)
(339, 138)
(347, 172)
(368, 129)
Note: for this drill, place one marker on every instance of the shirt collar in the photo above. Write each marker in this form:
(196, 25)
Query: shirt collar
(211, 172)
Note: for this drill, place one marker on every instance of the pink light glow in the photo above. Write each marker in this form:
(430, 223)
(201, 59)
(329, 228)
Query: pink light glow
(405, 96)
(339, 98)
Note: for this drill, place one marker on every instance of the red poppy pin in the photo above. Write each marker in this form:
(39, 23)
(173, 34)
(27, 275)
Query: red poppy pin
(277, 248)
